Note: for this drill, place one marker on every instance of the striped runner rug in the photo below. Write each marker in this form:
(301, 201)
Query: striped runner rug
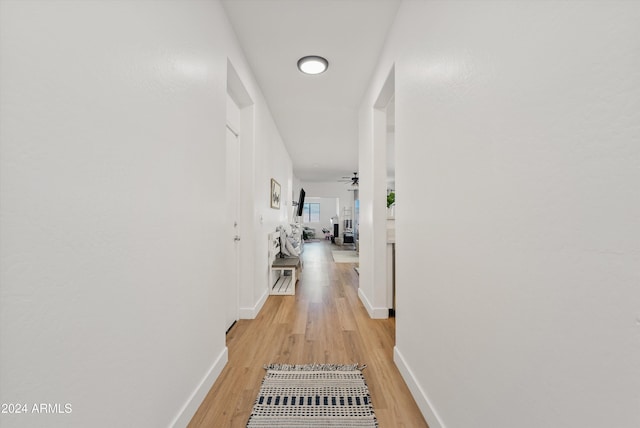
(313, 395)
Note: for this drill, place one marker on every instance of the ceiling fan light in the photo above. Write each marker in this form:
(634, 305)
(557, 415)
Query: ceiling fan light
(313, 64)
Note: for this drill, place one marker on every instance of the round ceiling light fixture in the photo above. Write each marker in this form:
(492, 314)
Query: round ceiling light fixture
(313, 64)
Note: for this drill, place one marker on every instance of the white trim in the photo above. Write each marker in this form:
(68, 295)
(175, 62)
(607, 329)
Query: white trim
(426, 407)
(251, 313)
(374, 313)
(191, 406)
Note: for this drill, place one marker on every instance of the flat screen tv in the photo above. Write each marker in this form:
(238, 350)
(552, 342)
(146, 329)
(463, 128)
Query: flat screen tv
(300, 203)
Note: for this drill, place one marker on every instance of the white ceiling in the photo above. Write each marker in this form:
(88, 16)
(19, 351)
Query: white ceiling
(317, 115)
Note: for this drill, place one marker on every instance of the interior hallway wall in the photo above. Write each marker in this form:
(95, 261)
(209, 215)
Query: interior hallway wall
(518, 213)
(112, 203)
(273, 162)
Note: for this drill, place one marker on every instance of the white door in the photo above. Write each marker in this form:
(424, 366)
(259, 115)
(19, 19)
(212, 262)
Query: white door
(232, 228)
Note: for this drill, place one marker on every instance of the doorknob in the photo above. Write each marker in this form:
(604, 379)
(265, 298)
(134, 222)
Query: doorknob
(236, 238)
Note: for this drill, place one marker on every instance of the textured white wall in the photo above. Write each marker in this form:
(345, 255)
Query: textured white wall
(518, 221)
(366, 226)
(112, 167)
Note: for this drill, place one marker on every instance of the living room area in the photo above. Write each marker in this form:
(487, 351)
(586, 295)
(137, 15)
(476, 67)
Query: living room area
(330, 213)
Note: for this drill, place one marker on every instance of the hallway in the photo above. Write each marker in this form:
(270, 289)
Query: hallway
(323, 323)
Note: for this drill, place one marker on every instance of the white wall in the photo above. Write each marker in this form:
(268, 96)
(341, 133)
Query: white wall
(517, 265)
(295, 191)
(391, 161)
(274, 162)
(112, 165)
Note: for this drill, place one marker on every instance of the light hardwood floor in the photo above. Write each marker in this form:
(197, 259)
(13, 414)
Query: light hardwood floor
(324, 322)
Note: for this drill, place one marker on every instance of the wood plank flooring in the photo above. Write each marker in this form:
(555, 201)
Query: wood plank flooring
(324, 322)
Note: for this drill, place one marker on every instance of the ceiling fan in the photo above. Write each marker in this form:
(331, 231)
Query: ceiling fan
(353, 180)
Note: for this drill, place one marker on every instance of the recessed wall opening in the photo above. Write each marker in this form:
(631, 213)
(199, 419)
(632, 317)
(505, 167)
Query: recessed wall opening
(239, 230)
(384, 139)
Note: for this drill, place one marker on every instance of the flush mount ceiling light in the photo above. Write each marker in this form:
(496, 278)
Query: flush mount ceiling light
(312, 64)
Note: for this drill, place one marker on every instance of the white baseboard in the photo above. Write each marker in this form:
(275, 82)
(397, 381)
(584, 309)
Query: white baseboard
(427, 409)
(375, 313)
(252, 312)
(191, 406)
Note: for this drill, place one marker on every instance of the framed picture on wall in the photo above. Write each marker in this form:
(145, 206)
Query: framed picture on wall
(275, 194)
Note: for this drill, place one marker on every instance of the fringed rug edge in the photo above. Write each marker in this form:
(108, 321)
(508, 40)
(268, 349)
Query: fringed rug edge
(315, 367)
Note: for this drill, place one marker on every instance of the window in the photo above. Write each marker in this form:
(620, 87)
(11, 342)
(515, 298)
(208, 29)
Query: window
(311, 213)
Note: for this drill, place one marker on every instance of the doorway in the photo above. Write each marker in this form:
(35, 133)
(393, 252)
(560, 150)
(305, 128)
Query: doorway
(232, 150)
(239, 229)
(391, 208)
(385, 186)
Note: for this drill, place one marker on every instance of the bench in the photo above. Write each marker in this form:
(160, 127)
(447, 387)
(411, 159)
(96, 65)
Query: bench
(283, 272)
(283, 275)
